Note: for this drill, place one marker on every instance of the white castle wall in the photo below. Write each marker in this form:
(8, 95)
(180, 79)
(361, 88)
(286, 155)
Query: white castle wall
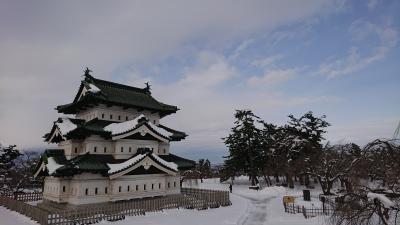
(116, 113)
(121, 149)
(81, 189)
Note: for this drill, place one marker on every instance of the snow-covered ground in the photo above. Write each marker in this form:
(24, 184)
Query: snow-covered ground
(249, 207)
(8, 217)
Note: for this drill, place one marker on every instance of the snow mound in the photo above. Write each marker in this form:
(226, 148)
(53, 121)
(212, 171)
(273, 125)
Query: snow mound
(118, 128)
(265, 193)
(52, 165)
(66, 125)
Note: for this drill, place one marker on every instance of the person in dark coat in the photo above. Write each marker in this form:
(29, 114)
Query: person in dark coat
(230, 188)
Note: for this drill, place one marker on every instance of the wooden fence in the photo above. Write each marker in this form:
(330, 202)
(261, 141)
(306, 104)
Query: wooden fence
(212, 198)
(188, 199)
(30, 211)
(25, 197)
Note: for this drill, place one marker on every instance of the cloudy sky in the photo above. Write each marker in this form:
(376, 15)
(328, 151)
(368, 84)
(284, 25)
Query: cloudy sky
(334, 57)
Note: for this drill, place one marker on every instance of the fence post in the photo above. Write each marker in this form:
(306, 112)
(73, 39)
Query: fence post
(304, 212)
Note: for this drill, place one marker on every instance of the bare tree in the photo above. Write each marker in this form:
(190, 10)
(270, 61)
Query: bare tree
(376, 202)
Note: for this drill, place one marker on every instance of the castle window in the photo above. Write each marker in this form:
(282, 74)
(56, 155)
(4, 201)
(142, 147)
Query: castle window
(122, 149)
(110, 116)
(119, 117)
(137, 187)
(105, 190)
(95, 149)
(169, 185)
(95, 191)
(102, 115)
(152, 186)
(126, 118)
(129, 188)
(105, 149)
(76, 150)
(119, 189)
(130, 149)
(144, 186)
(154, 121)
(86, 191)
(165, 151)
(159, 185)
(63, 188)
(174, 184)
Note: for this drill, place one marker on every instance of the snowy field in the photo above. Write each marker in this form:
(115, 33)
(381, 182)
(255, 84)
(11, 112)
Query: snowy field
(249, 207)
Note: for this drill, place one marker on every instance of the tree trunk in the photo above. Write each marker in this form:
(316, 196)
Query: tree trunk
(269, 180)
(341, 183)
(276, 178)
(307, 180)
(289, 179)
(301, 180)
(349, 186)
(266, 180)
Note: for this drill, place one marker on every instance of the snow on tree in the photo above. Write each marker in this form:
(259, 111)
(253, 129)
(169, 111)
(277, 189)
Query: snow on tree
(8, 155)
(244, 144)
(298, 144)
(335, 163)
(376, 202)
(203, 169)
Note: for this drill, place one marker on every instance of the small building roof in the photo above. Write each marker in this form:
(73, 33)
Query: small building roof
(105, 92)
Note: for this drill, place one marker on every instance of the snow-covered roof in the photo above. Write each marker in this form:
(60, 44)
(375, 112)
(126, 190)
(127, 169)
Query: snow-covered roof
(121, 166)
(65, 126)
(118, 128)
(170, 165)
(132, 161)
(93, 88)
(52, 165)
(160, 130)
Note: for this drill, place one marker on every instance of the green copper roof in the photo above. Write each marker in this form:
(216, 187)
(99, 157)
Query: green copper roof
(97, 163)
(115, 94)
(183, 164)
(86, 163)
(96, 127)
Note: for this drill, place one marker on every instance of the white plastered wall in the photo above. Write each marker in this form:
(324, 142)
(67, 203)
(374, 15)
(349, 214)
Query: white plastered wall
(116, 113)
(81, 189)
(71, 148)
(125, 148)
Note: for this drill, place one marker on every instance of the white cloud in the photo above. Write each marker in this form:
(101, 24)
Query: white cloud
(362, 131)
(45, 46)
(354, 61)
(241, 48)
(211, 70)
(266, 61)
(208, 103)
(273, 77)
